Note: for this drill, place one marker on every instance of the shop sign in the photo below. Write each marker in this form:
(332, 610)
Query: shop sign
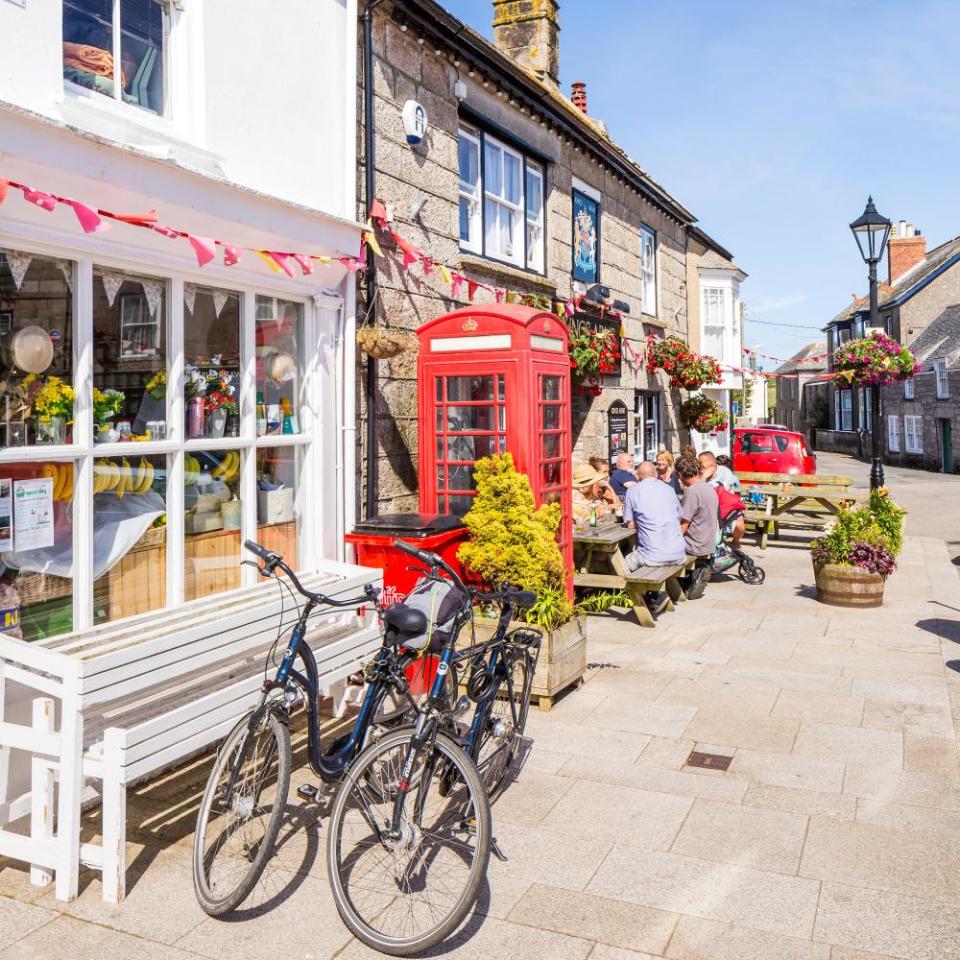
(586, 238)
(617, 427)
(33, 514)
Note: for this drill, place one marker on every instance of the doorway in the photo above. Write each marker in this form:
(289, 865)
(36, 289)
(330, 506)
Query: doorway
(945, 436)
(646, 425)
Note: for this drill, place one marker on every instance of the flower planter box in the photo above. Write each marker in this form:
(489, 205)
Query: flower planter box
(842, 586)
(563, 656)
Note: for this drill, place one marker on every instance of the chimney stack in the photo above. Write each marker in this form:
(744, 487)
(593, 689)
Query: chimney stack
(578, 96)
(528, 32)
(905, 249)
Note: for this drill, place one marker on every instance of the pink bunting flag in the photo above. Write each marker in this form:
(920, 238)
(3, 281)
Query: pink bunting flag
(4, 184)
(569, 309)
(363, 252)
(165, 231)
(231, 254)
(427, 266)
(471, 290)
(498, 293)
(410, 253)
(306, 264)
(203, 247)
(351, 263)
(37, 197)
(89, 219)
(283, 262)
(456, 285)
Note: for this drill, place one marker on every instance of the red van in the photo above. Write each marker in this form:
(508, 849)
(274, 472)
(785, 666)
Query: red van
(761, 449)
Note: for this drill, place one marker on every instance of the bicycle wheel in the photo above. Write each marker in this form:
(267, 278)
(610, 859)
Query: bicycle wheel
(232, 843)
(499, 737)
(405, 895)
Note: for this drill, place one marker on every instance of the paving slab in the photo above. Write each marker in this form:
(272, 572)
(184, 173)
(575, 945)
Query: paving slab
(743, 730)
(819, 707)
(18, 920)
(696, 939)
(851, 744)
(808, 802)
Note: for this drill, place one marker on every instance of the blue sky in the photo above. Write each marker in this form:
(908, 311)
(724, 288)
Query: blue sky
(772, 122)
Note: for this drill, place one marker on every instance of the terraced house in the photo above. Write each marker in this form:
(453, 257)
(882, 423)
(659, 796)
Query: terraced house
(517, 186)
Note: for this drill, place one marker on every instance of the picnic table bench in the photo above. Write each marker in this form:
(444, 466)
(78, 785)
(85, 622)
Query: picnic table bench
(800, 501)
(599, 563)
(116, 703)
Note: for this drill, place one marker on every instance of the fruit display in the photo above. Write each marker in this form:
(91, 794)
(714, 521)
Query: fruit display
(62, 476)
(228, 468)
(121, 478)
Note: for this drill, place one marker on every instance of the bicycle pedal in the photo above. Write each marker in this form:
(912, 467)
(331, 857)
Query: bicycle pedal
(496, 851)
(308, 792)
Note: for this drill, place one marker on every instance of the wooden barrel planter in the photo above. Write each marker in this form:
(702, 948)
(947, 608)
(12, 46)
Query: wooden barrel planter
(842, 586)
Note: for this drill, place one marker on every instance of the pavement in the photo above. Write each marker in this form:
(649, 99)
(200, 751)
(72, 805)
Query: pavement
(834, 834)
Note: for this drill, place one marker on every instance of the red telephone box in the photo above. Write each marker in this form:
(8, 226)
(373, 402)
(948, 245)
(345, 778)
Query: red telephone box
(492, 378)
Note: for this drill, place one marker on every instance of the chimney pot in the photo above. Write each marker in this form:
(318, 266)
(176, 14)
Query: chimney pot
(905, 250)
(579, 96)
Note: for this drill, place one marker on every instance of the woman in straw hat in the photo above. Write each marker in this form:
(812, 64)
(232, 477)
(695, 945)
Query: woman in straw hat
(587, 493)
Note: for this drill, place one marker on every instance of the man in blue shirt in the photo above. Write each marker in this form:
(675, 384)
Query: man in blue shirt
(624, 477)
(653, 510)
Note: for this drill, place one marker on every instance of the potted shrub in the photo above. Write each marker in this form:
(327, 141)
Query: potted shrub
(686, 369)
(704, 415)
(512, 540)
(853, 559)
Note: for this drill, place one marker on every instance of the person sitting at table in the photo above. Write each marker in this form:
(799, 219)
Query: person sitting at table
(588, 495)
(624, 477)
(726, 484)
(666, 472)
(652, 509)
(698, 522)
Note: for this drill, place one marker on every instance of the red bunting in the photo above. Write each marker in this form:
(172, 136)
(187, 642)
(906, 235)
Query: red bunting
(89, 219)
(471, 289)
(203, 247)
(231, 254)
(4, 184)
(37, 197)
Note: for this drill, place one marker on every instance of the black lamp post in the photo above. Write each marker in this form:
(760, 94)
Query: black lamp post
(871, 231)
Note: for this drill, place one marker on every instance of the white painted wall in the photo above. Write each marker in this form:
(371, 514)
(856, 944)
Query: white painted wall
(262, 93)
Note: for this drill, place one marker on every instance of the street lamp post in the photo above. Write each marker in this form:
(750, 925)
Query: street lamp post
(871, 231)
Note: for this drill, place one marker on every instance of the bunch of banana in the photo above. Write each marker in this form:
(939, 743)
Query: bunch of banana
(123, 478)
(192, 470)
(62, 476)
(228, 468)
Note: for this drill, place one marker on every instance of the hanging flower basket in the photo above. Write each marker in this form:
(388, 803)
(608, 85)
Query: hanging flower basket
(686, 369)
(703, 415)
(381, 343)
(873, 361)
(593, 353)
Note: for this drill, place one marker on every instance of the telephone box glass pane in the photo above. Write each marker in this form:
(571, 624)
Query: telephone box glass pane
(551, 418)
(469, 389)
(550, 388)
(461, 478)
(460, 505)
(469, 418)
(551, 474)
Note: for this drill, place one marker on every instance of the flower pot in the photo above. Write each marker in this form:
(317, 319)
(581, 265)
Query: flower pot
(842, 586)
(232, 426)
(380, 343)
(53, 431)
(562, 660)
(215, 423)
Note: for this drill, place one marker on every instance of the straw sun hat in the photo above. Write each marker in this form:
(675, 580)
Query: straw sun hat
(584, 475)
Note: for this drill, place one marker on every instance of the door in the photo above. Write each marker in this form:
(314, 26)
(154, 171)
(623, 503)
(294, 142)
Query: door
(946, 445)
(646, 426)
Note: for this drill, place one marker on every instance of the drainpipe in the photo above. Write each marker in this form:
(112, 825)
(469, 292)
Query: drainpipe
(369, 135)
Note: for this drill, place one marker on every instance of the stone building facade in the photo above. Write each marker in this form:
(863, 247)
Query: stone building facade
(472, 90)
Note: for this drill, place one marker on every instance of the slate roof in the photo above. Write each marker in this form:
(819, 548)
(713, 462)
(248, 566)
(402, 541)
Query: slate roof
(712, 260)
(795, 363)
(941, 338)
(936, 258)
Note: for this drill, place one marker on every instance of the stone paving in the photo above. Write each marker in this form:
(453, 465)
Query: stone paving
(833, 835)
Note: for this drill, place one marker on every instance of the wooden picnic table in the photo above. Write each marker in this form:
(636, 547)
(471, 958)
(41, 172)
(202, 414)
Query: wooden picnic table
(794, 502)
(599, 563)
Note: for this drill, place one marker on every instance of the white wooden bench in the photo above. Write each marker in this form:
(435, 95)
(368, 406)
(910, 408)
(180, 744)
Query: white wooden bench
(114, 704)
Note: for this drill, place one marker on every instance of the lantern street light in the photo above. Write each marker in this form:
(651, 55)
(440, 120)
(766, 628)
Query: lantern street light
(871, 231)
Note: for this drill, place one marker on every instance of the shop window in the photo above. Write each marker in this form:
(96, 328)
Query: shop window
(36, 548)
(36, 349)
(501, 201)
(279, 335)
(648, 271)
(211, 354)
(278, 501)
(130, 535)
(118, 48)
(129, 356)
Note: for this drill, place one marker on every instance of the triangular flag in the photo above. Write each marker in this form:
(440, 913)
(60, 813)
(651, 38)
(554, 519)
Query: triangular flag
(219, 301)
(89, 218)
(378, 211)
(4, 184)
(283, 262)
(203, 247)
(306, 263)
(351, 263)
(66, 268)
(165, 231)
(46, 200)
(456, 286)
(231, 254)
(569, 309)
(363, 252)
(189, 296)
(410, 253)
(371, 238)
(112, 282)
(268, 260)
(326, 261)
(427, 266)
(153, 291)
(147, 219)
(471, 289)
(444, 274)
(499, 294)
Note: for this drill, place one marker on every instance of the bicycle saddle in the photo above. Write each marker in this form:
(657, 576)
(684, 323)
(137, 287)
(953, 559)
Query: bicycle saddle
(405, 619)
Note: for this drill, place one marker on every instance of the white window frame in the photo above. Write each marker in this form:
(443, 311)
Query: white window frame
(913, 434)
(318, 395)
(648, 270)
(845, 406)
(908, 389)
(502, 206)
(714, 327)
(141, 112)
(943, 382)
(483, 240)
(470, 194)
(893, 433)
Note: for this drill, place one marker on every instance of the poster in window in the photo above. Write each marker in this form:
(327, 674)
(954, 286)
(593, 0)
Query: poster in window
(586, 238)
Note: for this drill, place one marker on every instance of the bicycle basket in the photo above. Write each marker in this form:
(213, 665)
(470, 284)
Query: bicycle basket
(439, 600)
